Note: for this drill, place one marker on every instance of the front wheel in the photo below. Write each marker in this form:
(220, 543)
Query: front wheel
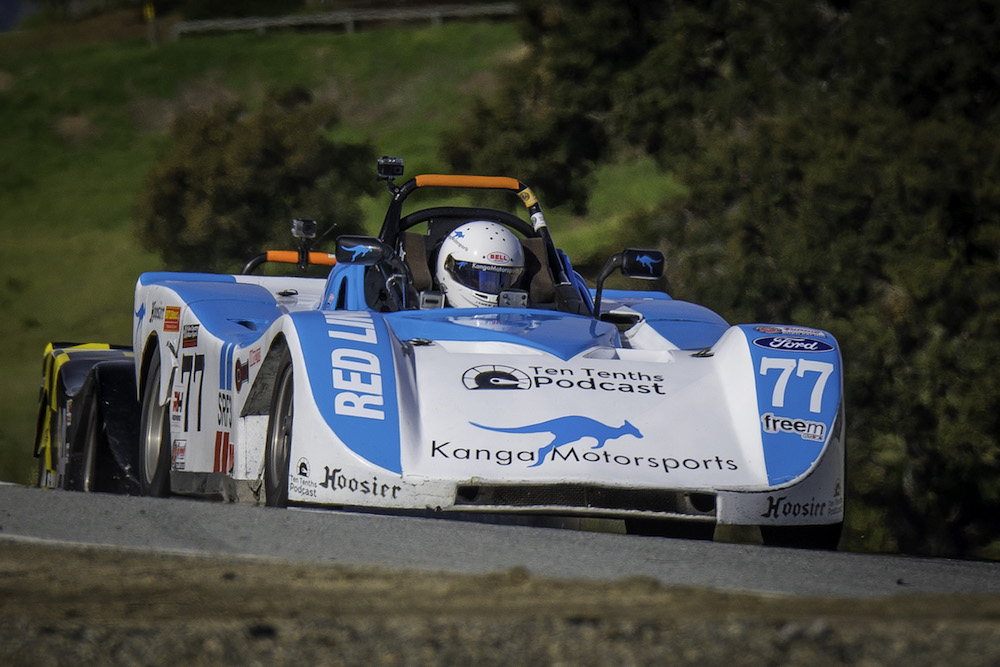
(277, 451)
(154, 437)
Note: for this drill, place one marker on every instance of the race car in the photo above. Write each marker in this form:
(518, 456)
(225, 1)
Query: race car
(457, 364)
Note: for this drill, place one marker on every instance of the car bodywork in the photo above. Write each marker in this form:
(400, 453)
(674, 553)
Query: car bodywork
(360, 390)
(71, 376)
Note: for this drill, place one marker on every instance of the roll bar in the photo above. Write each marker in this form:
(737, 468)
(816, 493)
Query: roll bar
(390, 226)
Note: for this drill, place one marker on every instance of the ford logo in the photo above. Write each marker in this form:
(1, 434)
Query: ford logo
(793, 344)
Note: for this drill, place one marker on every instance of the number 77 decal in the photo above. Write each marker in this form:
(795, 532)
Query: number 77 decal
(824, 370)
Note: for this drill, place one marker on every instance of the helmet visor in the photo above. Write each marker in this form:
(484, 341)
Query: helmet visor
(486, 278)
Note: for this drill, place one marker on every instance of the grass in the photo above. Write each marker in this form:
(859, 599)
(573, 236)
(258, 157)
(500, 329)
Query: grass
(84, 121)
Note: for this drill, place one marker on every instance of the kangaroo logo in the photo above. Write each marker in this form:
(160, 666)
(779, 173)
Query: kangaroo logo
(566, 430)
(140, 315)
(648, 261)
(357, 251)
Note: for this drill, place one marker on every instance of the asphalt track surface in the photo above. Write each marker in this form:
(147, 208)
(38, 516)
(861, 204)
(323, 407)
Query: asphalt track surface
(187, 526)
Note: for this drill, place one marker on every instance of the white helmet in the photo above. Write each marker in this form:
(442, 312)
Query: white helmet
(476, 262)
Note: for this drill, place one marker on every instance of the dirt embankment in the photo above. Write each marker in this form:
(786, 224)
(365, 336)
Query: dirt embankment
(61, 605)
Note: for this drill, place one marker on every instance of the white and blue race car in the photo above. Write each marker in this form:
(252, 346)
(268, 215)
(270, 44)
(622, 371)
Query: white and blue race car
(365, 389)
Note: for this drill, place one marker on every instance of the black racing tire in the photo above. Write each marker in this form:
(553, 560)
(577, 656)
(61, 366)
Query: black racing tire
(89, 441)
(277, 450)
(154, 437)
(82, 446)
(826, 537)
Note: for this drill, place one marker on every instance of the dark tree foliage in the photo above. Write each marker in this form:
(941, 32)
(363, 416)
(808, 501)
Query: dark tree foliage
(861, 232)
(844, 172)
(232, 181)
(550, 123)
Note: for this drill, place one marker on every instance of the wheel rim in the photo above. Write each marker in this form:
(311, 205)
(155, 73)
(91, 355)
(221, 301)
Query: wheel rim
(278, 452)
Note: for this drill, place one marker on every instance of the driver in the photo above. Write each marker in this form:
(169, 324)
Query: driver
(476, 262)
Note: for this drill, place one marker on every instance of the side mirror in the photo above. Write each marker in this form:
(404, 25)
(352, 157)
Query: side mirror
(363, 250)
(642, 264)
(634, 263)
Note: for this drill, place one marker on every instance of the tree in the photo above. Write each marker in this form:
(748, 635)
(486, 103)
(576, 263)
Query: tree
(232, 181)
(842, 160)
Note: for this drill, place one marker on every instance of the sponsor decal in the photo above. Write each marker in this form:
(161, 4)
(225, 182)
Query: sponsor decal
(172, 318)
(223, 461)
(336, 480)
(648, 262)
(177, 410)
(190, 336)
(792, 344)
(225, 419)
(302, 467)
(568, 430)
(807, 430)
(798, 395)
(139, 316)
(302, 486)
(571, 454)
(242, 374)
(778, 507)
(501, 257)
(789, 331)
(357, 251)
(155, 312)
(591, 379)
(836, 505)
(357, 374)
(455, 236)
(479, 266)
(178, 454)
(299, 482)
(349, 364)
(494, 376)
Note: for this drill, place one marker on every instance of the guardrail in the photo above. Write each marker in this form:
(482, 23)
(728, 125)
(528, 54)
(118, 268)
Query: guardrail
(349, 18)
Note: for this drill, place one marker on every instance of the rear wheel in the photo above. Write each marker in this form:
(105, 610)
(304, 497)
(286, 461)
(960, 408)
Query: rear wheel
(81, 449)
(277, 451)
(154, 437)
(91, 440)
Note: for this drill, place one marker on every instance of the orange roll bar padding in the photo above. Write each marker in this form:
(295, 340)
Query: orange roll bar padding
(292, 257)
(457, 181)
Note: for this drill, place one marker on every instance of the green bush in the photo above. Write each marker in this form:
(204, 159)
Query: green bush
(232, 181)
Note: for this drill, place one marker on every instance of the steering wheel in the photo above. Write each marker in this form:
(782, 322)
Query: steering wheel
(468, 214)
